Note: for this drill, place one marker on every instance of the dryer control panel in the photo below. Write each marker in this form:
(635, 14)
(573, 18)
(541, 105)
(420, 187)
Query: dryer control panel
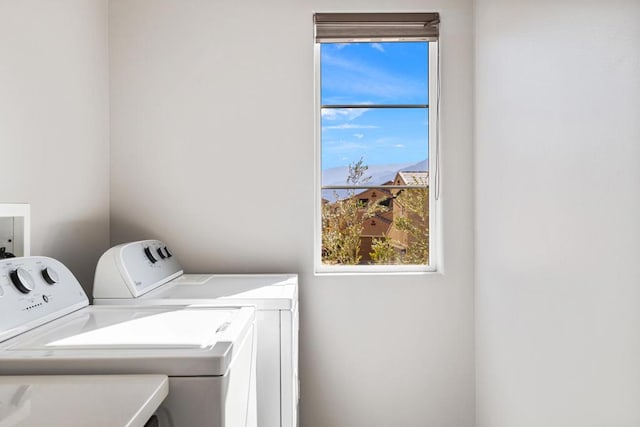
(133, 269)
(35, 290)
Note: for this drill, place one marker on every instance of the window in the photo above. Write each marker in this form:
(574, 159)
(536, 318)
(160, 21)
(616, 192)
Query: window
(376, 85)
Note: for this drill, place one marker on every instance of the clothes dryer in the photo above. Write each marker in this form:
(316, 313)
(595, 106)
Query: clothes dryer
(208, 353)
(149, 273)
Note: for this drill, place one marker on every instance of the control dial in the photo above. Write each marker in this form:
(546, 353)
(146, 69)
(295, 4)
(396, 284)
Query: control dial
(22, 280)
(147, 252)
(50, 276)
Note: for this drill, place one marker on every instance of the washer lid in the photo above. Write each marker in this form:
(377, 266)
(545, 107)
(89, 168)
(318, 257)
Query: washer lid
(132, 328)
(174, 340)
(265, 291)
(169, 329)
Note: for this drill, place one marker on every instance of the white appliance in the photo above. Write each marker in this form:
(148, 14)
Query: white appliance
(80, 400)
(208, 353)
(147, 273)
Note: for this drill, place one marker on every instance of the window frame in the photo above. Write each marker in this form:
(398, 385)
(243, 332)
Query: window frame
(433, 101)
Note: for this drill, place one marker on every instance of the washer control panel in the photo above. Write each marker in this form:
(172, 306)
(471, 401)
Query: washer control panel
(133, 269)
(35, 290)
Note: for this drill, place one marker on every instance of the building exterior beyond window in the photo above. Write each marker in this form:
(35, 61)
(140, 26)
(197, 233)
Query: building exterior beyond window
(374, 126)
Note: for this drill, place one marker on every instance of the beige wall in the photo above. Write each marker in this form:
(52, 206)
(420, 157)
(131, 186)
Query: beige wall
(213, 100)
(558, 213)
(54, 125)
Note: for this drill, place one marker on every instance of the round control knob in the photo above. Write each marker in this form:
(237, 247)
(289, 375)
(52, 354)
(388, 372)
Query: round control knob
(150, 257)
(23, 280)
(50, 276)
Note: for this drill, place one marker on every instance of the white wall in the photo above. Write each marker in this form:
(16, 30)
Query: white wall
(54, 131)
(209, 103)
(212, 150)
(558, 213)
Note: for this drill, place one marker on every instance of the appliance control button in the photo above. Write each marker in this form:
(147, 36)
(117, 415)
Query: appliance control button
(50, 276)
(162, 255)
(45, 298)
(169, 255)
(147, 252)
(22, 280)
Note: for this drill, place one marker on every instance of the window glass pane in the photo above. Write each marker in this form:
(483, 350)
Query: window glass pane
(374, 73)
(387, 140)
(377, 226)
(379, 144)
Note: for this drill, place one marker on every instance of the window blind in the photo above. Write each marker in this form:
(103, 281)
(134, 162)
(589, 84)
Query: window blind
(350, 27)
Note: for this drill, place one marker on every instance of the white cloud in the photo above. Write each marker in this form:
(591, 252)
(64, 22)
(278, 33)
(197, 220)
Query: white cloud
(378, 46)
(358, 135)
(343, 113)
(398, 146)
(349, 126)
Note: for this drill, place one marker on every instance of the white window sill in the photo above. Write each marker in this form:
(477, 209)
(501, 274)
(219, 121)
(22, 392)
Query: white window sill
(374, 270)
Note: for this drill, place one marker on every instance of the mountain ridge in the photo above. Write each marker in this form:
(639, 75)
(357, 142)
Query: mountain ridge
(379, 174)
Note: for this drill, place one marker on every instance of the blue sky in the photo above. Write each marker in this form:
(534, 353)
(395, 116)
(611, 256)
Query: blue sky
(374, 73)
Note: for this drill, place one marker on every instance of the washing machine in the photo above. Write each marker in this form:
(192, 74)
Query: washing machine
(208, 353)
(148, 273)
